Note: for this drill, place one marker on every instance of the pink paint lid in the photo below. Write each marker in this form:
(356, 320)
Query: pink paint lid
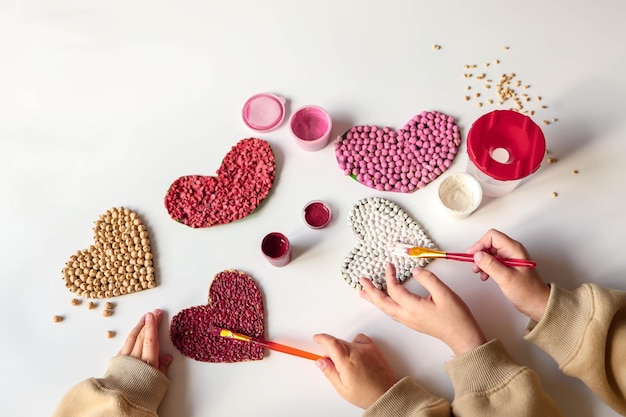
(263, 112)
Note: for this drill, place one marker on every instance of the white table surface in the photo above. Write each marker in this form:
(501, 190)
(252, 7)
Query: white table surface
(104, 104)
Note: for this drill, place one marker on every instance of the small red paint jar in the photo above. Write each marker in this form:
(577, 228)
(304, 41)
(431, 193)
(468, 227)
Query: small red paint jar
(276, 248)
(316, 214)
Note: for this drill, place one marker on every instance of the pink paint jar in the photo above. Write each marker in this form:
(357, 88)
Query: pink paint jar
(316, 214)
(310, 126)
(276, 248)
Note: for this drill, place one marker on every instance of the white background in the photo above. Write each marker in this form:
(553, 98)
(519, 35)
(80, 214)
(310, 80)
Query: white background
(105, 103)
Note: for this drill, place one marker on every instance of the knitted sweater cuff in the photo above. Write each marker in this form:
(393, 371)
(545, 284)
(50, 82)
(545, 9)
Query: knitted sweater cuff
(137, 381)
(407, 398)
(567, 316)
(489, 366)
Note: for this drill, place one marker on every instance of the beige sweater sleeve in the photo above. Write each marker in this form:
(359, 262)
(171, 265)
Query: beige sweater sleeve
(584, 330)
(130, 388)
(408, 399)
(486, 383)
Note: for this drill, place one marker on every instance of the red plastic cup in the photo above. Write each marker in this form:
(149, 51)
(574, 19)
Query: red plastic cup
(504, 147)
(276, 248)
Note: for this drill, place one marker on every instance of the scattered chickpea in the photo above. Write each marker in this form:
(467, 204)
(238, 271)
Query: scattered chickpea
(552, 160)
(496, 61)
(109, 305)
(546, 122)
(110, 334)
(554, 194)
(107, 313)
(505, 48)
(479, 104)
(575, 172)
(75, 301)
(91, 305)
(57, 319)
(436, 47)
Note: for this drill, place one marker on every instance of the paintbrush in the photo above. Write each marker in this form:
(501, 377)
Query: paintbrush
(419, 252)
(265, 343)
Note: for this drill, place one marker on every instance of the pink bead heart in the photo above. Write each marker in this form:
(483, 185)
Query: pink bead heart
(404, 160)
(243, 180)
(235, 303)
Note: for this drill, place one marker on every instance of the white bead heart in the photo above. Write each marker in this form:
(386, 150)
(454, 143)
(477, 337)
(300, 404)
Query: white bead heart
(379, 224)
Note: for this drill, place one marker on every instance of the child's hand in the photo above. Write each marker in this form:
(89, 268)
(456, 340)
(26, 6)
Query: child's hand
(358, 371)
(522, 286)
(442, 314)
(143, 342)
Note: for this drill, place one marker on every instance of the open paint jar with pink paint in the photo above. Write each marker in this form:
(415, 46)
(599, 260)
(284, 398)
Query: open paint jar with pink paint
(316, 214)
(504, 147)
(310, 126)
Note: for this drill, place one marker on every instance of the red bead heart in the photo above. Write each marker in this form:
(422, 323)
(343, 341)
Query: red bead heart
(243, 180)
(404, 160)
(235, 303)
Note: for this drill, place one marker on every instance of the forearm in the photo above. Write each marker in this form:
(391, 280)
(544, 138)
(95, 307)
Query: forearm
(487, 382)
(408, 399)
(130, 388)
(584, 330)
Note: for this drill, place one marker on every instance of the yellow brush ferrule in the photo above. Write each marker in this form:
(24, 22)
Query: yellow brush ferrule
(426, 253)
(233, 335)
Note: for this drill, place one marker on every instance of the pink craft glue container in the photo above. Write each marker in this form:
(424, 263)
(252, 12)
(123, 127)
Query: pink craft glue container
(504, 147)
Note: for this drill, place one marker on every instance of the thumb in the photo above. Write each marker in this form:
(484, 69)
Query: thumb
(490, 266)
(329, 370)
(164, 363)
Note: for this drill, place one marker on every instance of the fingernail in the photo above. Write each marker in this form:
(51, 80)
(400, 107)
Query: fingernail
(478, 255)
(321, 363)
